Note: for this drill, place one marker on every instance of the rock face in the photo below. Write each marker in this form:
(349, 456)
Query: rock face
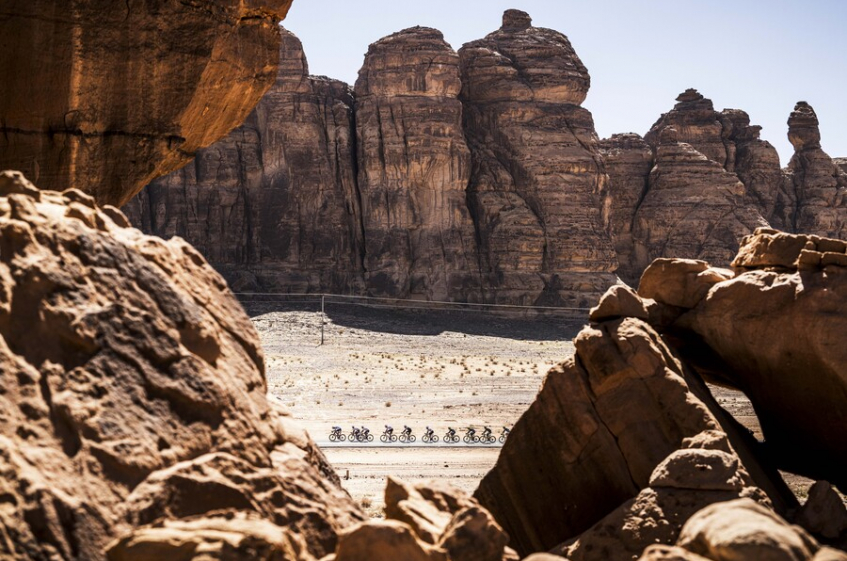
(132, 389)
(273, 206)
(820, 185)
(414, 168)
(106, 96)
(629, 160)
(405, 207)
(538, 191)
(625, 443)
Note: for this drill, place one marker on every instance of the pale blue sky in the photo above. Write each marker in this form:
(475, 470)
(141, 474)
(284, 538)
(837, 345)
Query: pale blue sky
(761, 56)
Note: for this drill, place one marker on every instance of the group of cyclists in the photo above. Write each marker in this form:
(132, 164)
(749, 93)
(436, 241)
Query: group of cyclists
(363, 434)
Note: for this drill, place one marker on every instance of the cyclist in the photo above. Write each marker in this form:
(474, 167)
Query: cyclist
(355, 432)
(486, 433)
(506, 431)
(389, 430)
(365, 432)
(407, 430)
(451, 432)
(429, 431)
(471, 431)
(336, 429)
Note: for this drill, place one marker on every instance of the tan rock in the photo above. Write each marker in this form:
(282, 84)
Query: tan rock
(688, 480)
(108, 95)
(231, 536)
(600, 426)
(540, 243)
(385, 540)
(669, 553)
(132, 383)
(679, 282)
(629, 159)
(474, 535)
(274, 205)
(820, 184)
(743, 529)
(769, 330)
(428, 518)
(619, 301)
(823, 513)
(414, 167)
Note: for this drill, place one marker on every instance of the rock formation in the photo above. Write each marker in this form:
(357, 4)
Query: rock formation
(132, 390)
(106, 96)
(624, 443)
(538, 191)
(820, 185)
(629, 160)
(274, 205)
(414, 168)
(407, 209)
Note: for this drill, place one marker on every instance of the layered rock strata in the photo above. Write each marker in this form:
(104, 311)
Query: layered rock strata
(106, 96)
(273, 206)
(414, 168)
(520, 216)
(538, 190)
(820, 185)
(132, 389)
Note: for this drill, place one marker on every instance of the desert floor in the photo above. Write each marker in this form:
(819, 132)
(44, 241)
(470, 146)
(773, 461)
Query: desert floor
(396, 367)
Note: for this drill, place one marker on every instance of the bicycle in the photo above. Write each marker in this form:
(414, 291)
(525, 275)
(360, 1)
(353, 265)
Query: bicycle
(470, 437)
(388, 437)
(504, 435)
(429, 438)
(487, 438)
(366, 436)
(337, 435)
(451, 437)
(407, 438)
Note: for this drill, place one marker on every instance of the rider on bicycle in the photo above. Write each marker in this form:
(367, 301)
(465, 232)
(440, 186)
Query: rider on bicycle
(486, 432)
(451, 431)
(471, 431)
(365, 431)
(407, 430)
(354, 431)
(429, 431)
(389, 429)
(336, 429)
(506, 431)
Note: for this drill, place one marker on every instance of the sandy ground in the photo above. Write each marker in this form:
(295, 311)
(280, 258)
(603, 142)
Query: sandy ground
(440, 369)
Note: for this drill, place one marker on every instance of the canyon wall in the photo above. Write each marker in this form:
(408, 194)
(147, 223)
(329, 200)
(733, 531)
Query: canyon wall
(105, 96)
(477, 176)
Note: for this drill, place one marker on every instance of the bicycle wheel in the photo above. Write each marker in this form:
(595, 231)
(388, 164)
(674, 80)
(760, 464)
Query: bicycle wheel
(475, 439)
(502, 439)
(393, 438)
(383, 438)
(402, 439)
(370, 438)
(425, 439)
(332, 437)
(466, 440)
(341, 437)
(434, 438)
(412, 438)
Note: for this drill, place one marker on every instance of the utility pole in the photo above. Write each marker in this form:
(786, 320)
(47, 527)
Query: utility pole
(323, 319)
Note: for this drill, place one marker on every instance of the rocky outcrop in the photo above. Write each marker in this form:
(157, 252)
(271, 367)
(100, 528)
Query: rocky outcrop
(538, 190)
(625, 442)
(414, 168)
(132, 390)
(106, 96)
(820, 185)
(742, 529)
(693, 208)
(274, 206)
(378, 191)
(629, 160)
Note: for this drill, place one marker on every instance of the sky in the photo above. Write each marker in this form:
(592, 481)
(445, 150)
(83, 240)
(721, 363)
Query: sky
(761, 56)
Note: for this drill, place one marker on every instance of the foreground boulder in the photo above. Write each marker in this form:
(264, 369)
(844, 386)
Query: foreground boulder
(132, 390)
(106, 96)
(625, 442)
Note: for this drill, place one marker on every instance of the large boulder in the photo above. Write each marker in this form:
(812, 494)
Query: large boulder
(106, 95)
(595, 435)
(132, 389)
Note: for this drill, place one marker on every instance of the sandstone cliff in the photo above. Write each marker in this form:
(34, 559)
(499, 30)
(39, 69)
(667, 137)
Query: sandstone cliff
(414, 168)
(274, 205)
(106, 96)
(378, 191)
(538, 190)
